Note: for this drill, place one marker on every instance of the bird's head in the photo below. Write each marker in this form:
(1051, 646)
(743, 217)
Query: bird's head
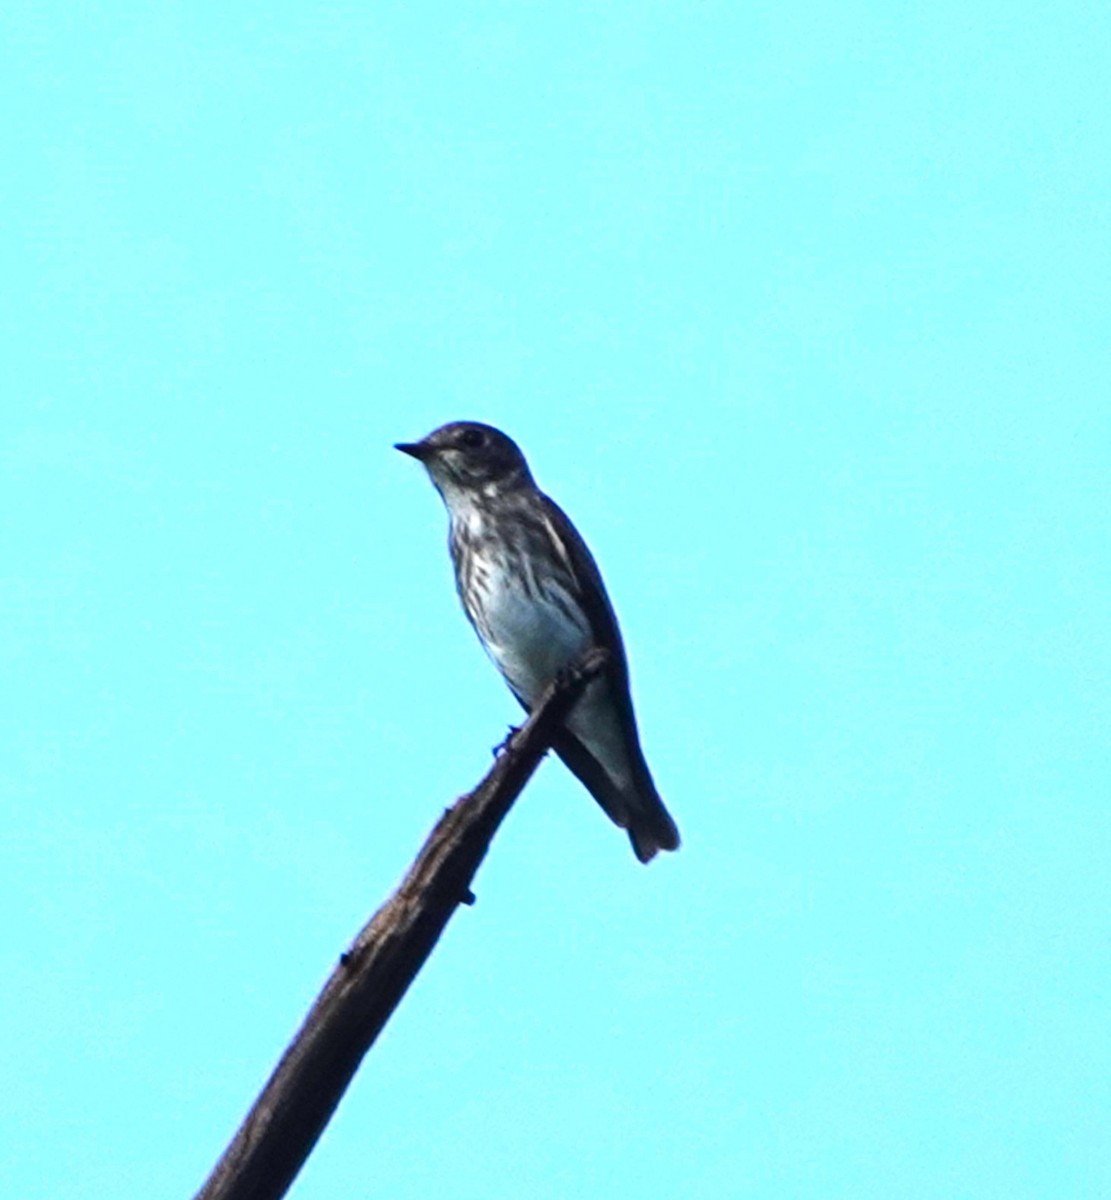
(470, 458)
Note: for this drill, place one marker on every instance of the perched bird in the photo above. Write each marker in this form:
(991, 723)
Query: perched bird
(532, 591)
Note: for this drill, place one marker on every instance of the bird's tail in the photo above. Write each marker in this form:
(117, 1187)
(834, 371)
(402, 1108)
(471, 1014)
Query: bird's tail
(634, 805)
(650, 826)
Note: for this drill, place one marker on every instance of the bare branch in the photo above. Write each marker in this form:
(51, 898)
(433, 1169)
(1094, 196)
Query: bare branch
(279, 1132)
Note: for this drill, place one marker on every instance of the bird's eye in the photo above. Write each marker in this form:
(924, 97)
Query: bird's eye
(472, 438)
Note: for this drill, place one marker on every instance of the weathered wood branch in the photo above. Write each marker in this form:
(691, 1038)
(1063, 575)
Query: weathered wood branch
(279, 1132)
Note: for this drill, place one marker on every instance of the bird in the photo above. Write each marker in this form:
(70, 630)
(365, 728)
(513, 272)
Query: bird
(533, 593)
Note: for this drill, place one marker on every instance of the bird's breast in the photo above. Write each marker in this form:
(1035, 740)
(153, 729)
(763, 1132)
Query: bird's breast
(531, 626)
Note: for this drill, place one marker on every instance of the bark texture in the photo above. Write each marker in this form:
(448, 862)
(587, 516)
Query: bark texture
(372, 975)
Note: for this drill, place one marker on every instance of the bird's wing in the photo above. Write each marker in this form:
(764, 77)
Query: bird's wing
(643, 815)
(592, 595)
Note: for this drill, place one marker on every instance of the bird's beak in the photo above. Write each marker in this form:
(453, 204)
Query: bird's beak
(417, 450)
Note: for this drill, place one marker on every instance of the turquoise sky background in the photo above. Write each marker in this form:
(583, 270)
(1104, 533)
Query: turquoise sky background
(801, 311)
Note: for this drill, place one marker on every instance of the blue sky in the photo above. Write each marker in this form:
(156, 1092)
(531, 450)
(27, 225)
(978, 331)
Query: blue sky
(801, 312)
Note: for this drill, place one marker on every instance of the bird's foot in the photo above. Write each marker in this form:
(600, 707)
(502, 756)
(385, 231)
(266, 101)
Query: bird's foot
(496, 750)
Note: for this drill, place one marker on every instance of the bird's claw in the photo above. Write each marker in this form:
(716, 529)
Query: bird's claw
(496, 750)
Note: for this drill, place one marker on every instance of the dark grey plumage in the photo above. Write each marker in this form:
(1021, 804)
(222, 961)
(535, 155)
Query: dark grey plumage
(534, 594)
